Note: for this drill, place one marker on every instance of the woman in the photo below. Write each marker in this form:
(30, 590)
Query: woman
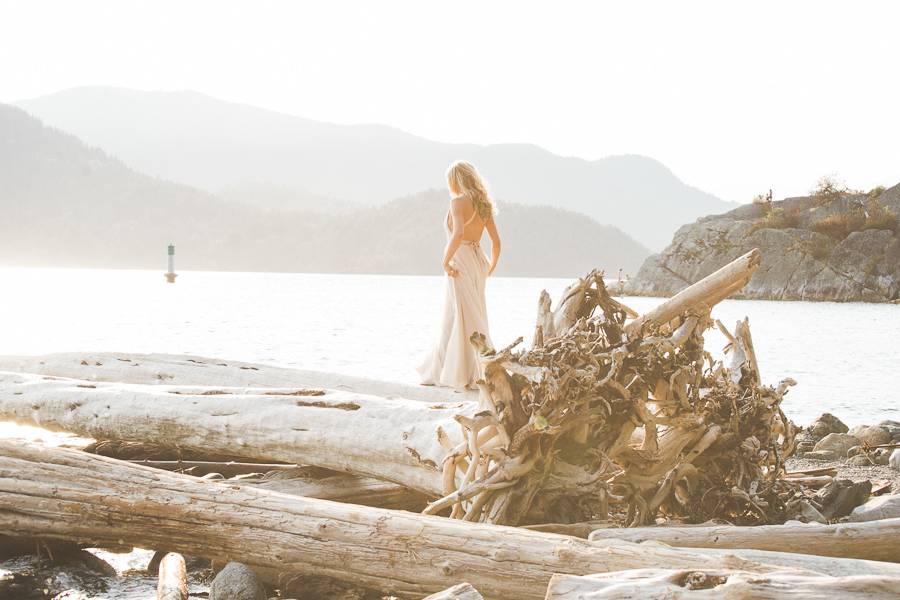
(453, 362)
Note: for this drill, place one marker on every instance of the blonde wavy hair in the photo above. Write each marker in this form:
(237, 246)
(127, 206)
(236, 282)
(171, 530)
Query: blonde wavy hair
(463, 180)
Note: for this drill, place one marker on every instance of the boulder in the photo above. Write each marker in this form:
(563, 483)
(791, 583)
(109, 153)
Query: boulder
(810, 513)
(894, 460)
(880, 507)
(893, 428)
(882, 456)
(871, 434)
(804, 442)
(841, 496)
(824, 424)
(836, 443)
(860, 460)
(236, 582)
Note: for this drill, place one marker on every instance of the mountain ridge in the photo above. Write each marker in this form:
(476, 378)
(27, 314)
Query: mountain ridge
(193, 138)
(67, 204)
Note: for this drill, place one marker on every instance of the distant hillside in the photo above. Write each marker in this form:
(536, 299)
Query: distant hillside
(282, 197)
(537, 240)
(65, 204)
(834, 245)
(197, 140)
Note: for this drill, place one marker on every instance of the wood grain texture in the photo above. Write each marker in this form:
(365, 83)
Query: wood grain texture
(708, 584)
(68, 494)
(872, 540)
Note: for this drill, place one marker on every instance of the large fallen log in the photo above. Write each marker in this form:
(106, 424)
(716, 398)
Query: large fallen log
(394, 440)
(874, 540)
(666, 584)
(313, 482)
(348, 489)
(68, 494)
(177, 369)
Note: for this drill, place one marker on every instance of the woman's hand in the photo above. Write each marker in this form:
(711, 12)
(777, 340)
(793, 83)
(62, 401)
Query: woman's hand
(450, 271)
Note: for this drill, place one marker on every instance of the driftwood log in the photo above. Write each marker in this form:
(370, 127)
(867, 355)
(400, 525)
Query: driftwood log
(340, 487)
(179, 369)
(873, 540)
(388, 439)
(68, 494)
(717, 584)
(312, 482)
(172, 583)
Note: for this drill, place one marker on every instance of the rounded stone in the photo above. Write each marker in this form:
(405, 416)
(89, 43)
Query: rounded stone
(837, 443)
(236, 582)
(826, 423)
(893, 428)
(871, 434)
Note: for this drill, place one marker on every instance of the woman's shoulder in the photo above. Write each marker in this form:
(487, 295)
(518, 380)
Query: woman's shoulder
(461, 201)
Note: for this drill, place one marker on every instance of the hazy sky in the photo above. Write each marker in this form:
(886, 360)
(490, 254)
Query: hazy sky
(734, 97)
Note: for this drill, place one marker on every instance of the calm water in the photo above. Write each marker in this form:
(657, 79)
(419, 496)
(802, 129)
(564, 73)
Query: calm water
(844, 356)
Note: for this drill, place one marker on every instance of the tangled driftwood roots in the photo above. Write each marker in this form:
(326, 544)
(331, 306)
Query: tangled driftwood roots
(638, 416)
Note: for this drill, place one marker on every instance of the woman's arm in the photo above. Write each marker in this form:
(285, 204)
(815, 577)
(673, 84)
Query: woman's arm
(495, 243)
(456, 216)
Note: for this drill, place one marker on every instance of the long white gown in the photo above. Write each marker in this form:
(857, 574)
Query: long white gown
(453, 362)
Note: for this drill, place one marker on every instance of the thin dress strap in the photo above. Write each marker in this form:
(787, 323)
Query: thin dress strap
(466, 224)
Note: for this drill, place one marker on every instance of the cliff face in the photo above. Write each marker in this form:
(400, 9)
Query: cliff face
(829, 246)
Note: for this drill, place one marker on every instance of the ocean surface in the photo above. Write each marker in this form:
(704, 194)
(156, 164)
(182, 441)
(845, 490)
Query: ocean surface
(845, 357)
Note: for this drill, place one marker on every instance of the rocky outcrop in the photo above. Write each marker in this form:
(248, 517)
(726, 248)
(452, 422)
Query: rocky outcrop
(829, 246)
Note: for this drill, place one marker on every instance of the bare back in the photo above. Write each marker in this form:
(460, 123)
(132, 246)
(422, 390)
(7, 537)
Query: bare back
(473, 226)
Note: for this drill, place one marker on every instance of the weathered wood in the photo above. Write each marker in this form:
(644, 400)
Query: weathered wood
(178, 369)
(708, 290)
(873, 540)
(394, 440)
(67, 494)
(226, 469)
(463, 591)
(348, 489)
(172, 578)
(668, 584)
(823, 471)
(313, 482)
(580, 530)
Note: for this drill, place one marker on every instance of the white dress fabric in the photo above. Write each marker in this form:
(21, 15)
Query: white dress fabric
(454, 361)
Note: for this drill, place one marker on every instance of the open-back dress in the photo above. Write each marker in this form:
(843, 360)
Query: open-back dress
(453, 362)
